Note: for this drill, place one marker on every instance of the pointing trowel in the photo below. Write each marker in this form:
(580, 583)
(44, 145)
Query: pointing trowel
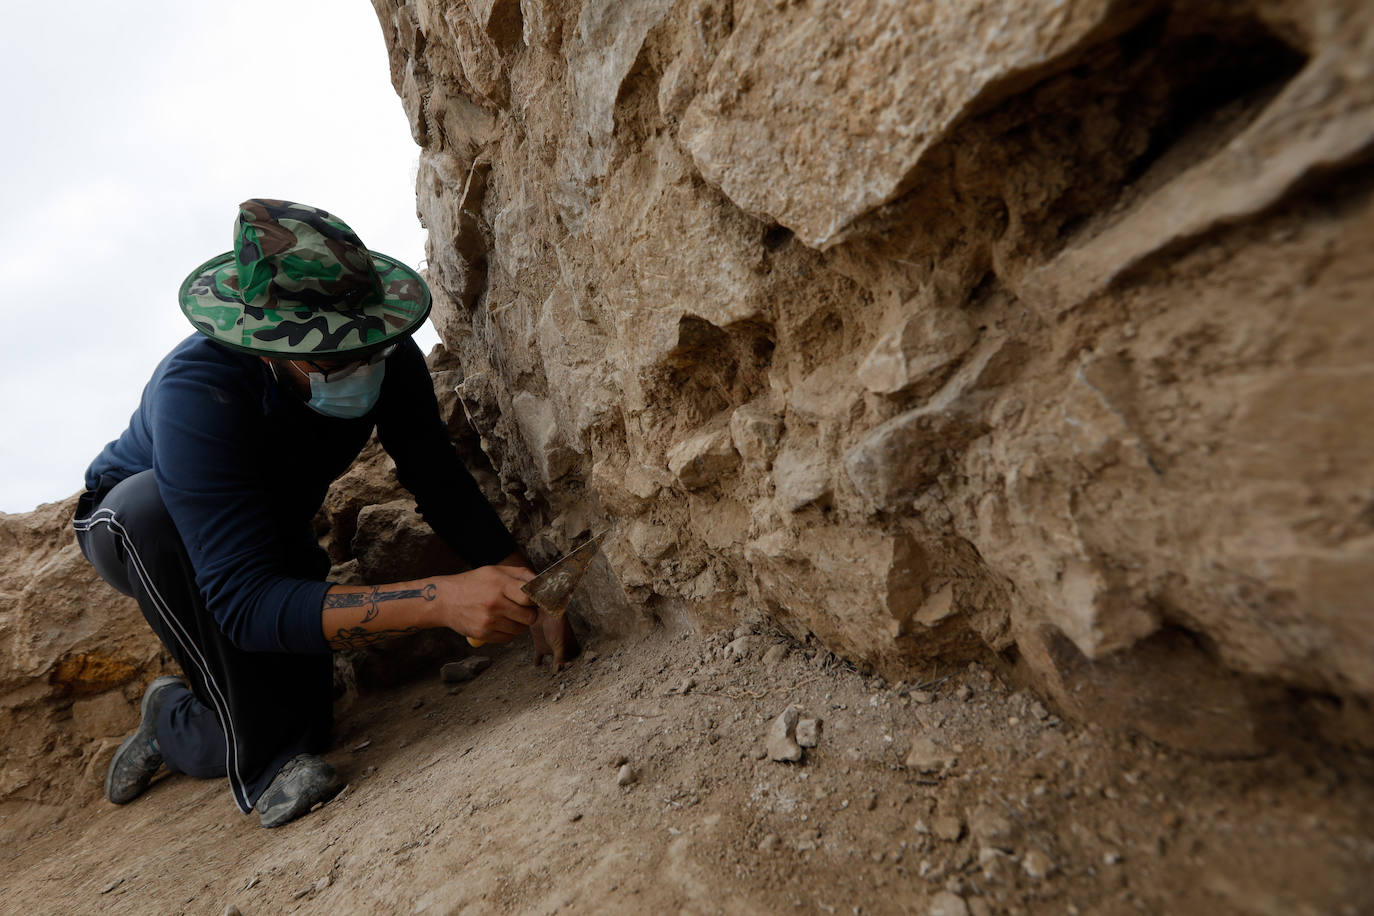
(553, 588)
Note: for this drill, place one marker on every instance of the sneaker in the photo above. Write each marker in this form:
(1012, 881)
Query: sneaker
(139, 757)
(304, 782)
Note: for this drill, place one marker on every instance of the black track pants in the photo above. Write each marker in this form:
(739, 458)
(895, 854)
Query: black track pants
(246, 713)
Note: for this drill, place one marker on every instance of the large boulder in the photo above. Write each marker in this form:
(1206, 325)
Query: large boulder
(1031, 330)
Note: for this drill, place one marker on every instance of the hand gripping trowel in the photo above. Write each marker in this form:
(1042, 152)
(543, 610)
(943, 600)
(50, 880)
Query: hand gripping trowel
(553, 588)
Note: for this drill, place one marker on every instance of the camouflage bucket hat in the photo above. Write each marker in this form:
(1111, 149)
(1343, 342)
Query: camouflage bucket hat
(300, 283)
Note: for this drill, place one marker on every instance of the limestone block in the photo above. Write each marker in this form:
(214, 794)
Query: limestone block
(539, 427)
(413, 98)
(581, 378)
(851, 587)
(540, 24)
(756, 431)
(516, 233)
(801, 475)
(650, 541)
(850, 96)
(703, 459)
(393, 543)
(899, 458)
(477, 52)
(467, 128)
(604, 48)
(927, 341)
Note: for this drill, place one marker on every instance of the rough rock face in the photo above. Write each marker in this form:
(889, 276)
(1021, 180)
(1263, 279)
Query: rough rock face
(930, 329)
(75, 656)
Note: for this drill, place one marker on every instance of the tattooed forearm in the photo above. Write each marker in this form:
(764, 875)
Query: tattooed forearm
(372, 600)
(360, 638)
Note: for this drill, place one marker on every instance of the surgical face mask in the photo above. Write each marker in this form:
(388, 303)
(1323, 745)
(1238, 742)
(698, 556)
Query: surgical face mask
(347, 397)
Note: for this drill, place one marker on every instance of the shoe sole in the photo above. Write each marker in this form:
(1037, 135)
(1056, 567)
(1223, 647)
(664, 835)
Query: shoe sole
(153, 689)
(287, 810)
(281, 817)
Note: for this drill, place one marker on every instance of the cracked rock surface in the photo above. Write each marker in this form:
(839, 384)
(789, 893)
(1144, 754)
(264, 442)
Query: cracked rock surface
(931, 330)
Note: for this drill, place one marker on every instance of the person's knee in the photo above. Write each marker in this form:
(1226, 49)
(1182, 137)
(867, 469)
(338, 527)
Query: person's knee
(137, 506)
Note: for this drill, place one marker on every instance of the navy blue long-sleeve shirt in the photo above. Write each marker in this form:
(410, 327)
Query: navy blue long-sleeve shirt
(243, 465)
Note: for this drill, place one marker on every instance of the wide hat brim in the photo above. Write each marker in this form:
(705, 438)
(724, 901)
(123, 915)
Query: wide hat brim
(269, 326)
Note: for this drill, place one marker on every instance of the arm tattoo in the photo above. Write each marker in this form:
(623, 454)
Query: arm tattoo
(360, 638)
(373, 599)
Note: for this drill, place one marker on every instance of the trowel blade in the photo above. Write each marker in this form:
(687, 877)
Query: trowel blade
(553, 588)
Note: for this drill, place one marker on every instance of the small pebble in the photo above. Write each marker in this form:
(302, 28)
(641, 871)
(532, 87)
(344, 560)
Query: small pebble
(780, 741)
(232, 910)
(924, 697)
(768, 843)
(1111, 858)
(740, 648)
(963, 693)
(948, 904)
(625, 776)
(1037, 865)
(464, 669)
(948, 828)
(808, 732)
(928, 757)
(775, 654)
(992, 828)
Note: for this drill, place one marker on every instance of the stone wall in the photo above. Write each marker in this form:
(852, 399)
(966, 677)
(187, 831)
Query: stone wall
(1036, 329)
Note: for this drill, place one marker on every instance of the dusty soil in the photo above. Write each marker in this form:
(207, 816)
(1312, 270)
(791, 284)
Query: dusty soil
(503, 796)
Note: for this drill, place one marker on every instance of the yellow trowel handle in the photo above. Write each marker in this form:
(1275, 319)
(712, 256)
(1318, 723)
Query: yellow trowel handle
(475, 643)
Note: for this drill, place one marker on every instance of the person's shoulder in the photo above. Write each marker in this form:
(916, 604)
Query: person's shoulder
(408, 360)
(199, 355)
(198, 365)
(197, 348)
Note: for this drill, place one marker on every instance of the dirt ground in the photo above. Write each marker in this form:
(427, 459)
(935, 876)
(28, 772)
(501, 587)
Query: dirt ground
(505, 795)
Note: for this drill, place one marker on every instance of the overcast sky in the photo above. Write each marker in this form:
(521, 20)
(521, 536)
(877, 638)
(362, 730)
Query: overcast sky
(132, 131)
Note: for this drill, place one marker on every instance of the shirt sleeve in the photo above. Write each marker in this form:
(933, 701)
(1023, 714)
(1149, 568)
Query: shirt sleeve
(413, 434)
(209, 462)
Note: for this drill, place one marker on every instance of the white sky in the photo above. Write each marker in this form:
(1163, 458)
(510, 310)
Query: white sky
(132, 131)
